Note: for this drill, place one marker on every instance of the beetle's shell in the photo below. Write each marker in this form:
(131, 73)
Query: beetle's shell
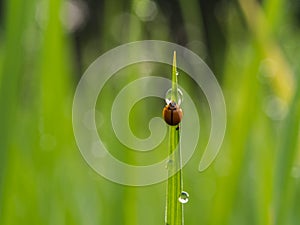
(172, 114)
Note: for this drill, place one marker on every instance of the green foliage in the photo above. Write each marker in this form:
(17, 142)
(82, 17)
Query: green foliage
(253, 48)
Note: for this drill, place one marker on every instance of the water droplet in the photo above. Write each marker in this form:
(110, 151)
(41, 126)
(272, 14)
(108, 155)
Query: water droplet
(183, 197)
(169, 94)
(169, 164)
(177, 73)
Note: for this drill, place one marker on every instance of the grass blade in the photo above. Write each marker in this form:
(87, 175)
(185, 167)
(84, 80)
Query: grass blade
(174, 208)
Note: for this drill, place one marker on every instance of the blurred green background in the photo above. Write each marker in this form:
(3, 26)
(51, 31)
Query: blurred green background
(253, 48)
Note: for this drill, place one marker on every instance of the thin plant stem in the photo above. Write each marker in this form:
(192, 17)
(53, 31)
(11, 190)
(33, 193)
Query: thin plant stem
(174, 208)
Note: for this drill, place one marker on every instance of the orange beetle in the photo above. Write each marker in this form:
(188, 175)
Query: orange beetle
(172, 114)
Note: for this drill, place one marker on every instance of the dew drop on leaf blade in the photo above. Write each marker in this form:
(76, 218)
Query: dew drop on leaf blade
(169, 96)
(183, 197)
